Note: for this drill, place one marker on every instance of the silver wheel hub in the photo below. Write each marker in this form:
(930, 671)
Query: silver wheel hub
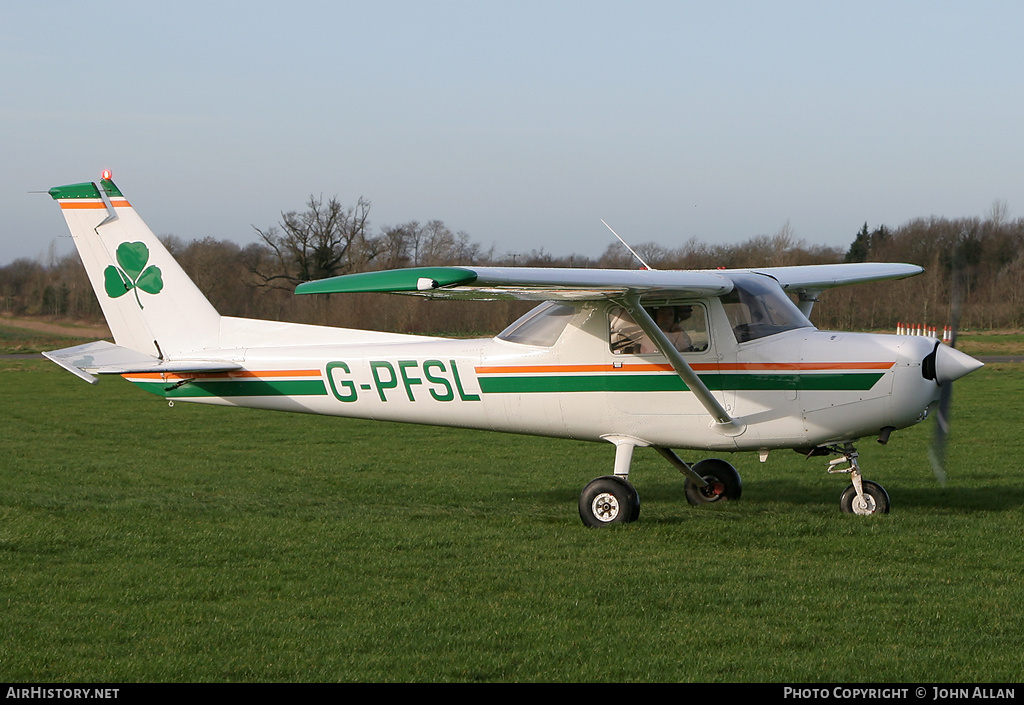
(605, 507)
(864, 505)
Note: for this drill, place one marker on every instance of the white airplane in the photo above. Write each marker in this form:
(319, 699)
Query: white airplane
(711, 360)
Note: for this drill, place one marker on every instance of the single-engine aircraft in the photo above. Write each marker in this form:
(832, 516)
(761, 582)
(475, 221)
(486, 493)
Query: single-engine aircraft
(713, 360)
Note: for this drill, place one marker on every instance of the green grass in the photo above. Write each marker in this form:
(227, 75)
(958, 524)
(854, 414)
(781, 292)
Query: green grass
(143, 543)
(991, 343)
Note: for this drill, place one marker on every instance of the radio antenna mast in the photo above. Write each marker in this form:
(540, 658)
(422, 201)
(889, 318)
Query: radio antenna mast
(632, 251)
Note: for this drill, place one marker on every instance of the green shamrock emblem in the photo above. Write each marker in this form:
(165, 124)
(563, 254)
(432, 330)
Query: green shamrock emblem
(133, 274)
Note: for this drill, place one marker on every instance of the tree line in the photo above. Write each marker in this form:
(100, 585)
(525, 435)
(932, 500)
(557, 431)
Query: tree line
(978, 262)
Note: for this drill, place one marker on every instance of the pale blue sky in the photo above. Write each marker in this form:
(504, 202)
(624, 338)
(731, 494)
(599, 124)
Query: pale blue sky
(522, 123)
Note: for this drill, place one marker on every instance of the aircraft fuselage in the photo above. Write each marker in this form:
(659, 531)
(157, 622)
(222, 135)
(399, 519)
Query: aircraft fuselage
(799, 388)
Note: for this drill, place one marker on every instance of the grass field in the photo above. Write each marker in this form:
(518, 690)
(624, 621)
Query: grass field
(145, 543)
(991, 343)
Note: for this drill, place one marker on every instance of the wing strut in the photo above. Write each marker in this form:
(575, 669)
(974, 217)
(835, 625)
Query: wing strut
(723, 422)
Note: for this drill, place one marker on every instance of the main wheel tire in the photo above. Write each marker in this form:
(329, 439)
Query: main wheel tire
(876, 500)
(723, 483)
(609, 500)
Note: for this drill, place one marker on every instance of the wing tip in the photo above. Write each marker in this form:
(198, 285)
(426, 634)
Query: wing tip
(415, 279)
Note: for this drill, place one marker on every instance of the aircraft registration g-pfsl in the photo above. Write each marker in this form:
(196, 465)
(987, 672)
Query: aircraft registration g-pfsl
(710, 360)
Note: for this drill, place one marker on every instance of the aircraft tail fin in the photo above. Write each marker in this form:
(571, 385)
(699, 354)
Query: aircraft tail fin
(151, 305)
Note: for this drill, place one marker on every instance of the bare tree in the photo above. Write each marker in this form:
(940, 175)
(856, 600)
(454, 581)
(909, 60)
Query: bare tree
(416, 245)
(998, 213)
(323, 241)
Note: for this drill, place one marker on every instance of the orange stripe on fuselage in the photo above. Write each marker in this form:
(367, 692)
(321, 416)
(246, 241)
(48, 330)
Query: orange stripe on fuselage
(704, 366)
(236, 374)
(533, 369)
(805, 365)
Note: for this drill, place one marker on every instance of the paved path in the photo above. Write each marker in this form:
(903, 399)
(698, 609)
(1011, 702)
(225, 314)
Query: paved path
(84, 331)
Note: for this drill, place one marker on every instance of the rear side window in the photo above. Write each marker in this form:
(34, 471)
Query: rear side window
(540, 326)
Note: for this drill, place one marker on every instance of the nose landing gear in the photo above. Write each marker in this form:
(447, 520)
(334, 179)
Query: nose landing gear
(862, 497)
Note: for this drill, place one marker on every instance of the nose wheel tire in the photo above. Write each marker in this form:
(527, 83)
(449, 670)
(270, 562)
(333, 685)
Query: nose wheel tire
(609, 500)
(723, 483)
(875, 500)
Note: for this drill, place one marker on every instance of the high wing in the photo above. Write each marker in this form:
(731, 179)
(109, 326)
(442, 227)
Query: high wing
(818, 277)
(807, 281)
(530, 283)
(541, 283)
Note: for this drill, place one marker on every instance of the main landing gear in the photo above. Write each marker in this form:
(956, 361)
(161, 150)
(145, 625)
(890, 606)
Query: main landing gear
(722, 482)
(609, 500)
(862, 497)
(613, 500)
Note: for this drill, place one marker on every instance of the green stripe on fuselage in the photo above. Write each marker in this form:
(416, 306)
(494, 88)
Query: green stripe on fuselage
(237, 388)
(543, 383)
(671, 383)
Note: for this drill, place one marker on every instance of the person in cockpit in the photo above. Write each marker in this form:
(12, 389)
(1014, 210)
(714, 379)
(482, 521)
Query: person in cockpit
(670, 320)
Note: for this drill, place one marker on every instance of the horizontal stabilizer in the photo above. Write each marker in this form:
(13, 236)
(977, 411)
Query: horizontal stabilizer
(103, 358)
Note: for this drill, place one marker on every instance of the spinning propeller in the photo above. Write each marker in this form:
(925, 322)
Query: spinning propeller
(950, 364)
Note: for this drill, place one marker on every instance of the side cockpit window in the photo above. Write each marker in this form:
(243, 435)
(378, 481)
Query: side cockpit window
(757, 307)
(540, 326)
(684, 325)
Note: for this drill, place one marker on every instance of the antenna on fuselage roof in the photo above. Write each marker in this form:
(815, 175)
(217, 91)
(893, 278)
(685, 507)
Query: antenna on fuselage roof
(638, 257)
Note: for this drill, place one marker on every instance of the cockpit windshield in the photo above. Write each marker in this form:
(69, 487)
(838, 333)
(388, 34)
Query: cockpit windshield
(540, 326)
(757, 307)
